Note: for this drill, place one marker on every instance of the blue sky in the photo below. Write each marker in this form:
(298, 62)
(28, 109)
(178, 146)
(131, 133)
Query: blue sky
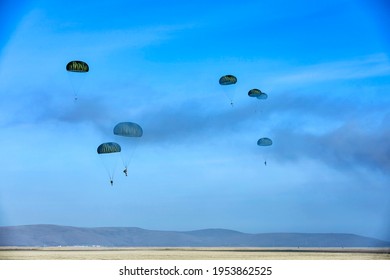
(325, 68)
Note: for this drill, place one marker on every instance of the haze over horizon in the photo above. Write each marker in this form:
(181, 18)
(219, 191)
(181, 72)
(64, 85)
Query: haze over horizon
(324, 66)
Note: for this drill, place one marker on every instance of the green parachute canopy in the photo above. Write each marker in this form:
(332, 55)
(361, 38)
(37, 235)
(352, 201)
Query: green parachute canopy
(77, 66)
(109, 147)
(227, 80)
(257, 93)
(128, 129)
(264, 142)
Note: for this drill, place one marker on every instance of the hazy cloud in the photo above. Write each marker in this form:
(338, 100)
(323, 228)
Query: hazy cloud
(348, 146)
(357, 68)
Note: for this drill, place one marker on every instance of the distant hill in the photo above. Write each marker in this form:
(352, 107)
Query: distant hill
(54, 235)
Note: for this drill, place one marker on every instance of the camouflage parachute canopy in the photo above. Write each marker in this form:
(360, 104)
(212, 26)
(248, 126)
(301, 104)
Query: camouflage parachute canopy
(257, 93)
(77, 66)
(227, 80)
(264, 142)
(109, 147)
(262, 96)
(128, 129)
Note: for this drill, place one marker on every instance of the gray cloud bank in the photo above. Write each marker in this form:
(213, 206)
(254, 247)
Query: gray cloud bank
(345, 147)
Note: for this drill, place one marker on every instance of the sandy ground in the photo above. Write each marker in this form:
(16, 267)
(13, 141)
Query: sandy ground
(105, 253)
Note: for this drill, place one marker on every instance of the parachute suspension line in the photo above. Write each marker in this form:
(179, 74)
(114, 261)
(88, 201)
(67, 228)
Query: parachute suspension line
(128, 157)
(132, 152)
(77, 83)
(258, 107)
(230, 99)
(112, 180)
(110, 171)
(256, 110)
(124, 162)
(113, 171)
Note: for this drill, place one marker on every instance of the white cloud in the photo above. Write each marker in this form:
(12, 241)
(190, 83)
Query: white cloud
(357, 68)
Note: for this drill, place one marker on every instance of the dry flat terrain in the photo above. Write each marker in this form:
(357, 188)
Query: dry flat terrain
(193, 253)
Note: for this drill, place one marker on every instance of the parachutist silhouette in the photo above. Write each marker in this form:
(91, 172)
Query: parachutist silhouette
(112, 182)
(125, 171)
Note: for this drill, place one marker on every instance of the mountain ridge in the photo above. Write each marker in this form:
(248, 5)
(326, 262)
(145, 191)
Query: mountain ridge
(46, 235)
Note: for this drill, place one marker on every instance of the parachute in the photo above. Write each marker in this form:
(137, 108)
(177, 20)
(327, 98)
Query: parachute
(109, 147)
(77, 66)
(225, 81)
(130, 134)
(76, 70)
(257, 93)
(128, 129)
(264, 142)
(106, 151)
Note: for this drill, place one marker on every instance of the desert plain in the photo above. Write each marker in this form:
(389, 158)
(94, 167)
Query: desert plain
(191, 253)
